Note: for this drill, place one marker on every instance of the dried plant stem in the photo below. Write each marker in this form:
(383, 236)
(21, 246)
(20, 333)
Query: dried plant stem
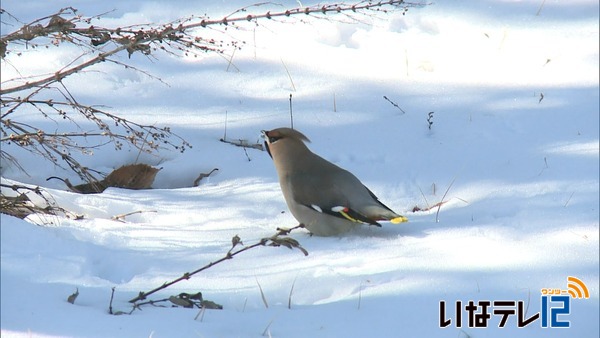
(428, 208)
(112, 296)
(262, 294)
(317, 9)
(244, 144)
(437, 219)
(289, 75)
(230, 62)
(275, 240)
(61, 74)
(394, 104)
(22, 206)
(169, 33)
(334, 104)
(203, 175)
(359, 295)
(201, 313)
(121, 217)
(291, 292)
(181, 37)
(291, 114)
(540, 9)
(266, 332)
(425, 198)
(569, 199)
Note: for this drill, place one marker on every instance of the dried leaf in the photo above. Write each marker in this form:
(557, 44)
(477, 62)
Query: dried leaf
(235, 241)
(181, 302)
(71, 298)
(288, 242)
(194, 296)
(304, 251)
(207, 304)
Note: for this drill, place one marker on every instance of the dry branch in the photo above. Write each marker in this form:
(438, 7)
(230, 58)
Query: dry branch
(275, 240)
(174, 36)
(19, 204)
(121, 217)
(203, 175)
(243, 144)
(99, 44)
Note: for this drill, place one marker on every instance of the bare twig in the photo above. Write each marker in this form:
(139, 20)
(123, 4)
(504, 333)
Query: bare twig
(430, 119)
(244, 144)
(291, 292)
(425, 198)
(437, 219)
(289, 75)
(540, 9)
(225, 130)
(428, 208)
(267, 332)
(230, 62)
(136, 36)
(360, 289)
(291, 114)
(20, 205)
(112, 295)
(316, 9)
(200, 313)
(569, 199)
(394, 104)
(121, 217)
(334, 104)
(175, 34)
(203, 175)
(101, 44)
(275, 240)
(262, 294)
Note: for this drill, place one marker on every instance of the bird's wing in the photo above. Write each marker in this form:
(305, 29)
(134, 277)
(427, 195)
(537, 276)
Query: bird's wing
(330, 195)
(339, 193)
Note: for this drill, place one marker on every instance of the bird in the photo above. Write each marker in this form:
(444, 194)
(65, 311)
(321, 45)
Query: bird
(325, 198)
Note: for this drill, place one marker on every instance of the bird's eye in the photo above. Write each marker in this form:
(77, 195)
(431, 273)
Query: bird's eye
(273, 139)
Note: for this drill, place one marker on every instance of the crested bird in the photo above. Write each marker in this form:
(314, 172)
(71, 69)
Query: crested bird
(325, 198)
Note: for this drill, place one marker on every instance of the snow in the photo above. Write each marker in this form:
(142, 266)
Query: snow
(519, 175)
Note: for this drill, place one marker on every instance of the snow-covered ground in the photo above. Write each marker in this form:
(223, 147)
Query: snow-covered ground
(519, 175)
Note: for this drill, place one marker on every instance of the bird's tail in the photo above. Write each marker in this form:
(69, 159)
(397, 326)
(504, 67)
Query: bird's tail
(399, 219)
(383, 213)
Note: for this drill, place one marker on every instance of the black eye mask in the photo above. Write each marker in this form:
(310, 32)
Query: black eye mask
(271, 139)
(268, 150)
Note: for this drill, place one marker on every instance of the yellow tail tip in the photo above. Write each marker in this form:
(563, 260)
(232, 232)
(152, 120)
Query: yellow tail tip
(400, 219)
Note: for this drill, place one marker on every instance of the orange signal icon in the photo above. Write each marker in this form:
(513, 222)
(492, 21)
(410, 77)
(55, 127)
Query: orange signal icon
(577, 288)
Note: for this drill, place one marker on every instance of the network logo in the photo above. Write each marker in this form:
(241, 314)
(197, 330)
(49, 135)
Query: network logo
(552, 314)
(576, 288)
(554, 309)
